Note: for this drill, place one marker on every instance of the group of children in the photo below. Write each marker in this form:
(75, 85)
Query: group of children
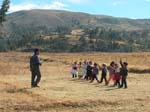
(89, 71)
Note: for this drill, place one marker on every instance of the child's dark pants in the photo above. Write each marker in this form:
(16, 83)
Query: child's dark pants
(124, 82)
(103, 78)
(94, 76)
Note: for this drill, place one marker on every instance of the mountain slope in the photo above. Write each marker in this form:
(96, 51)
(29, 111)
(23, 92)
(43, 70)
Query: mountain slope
(54, 30)
(50, 19)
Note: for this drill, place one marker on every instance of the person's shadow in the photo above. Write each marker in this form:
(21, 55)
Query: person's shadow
(111, 89)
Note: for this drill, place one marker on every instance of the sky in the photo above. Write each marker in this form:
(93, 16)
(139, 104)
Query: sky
(135, 9)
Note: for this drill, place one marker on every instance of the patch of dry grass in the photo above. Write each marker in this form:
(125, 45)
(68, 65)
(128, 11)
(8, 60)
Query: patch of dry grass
(60, 93)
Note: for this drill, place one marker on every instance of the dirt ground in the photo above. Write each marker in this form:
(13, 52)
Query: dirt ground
(58, 92)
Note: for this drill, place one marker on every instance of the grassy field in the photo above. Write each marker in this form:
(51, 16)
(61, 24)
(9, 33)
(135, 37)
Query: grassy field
(60, 93)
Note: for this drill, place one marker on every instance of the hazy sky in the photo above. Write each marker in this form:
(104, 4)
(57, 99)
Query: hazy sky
(117, 8)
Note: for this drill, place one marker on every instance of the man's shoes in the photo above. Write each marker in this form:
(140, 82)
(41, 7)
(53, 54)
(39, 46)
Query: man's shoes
(35, 86)
(32, 86)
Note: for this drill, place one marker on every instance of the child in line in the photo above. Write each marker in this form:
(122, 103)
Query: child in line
(111, 72)
(95, 72)
(117, 76)
(104, 74)
(89, 70)
(124, 74)
(80, 70)
(84, 69)
(74, 70)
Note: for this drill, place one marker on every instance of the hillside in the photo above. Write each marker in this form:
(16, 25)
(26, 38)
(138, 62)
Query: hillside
(51, 19)
(48, 29)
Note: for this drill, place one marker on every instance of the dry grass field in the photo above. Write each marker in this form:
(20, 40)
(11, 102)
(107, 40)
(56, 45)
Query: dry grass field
(60, 93)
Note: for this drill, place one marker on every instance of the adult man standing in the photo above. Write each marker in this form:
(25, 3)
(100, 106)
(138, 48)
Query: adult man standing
(35, 64)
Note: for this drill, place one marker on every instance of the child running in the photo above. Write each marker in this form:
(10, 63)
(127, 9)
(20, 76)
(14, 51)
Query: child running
(95, 72)
(104, 74)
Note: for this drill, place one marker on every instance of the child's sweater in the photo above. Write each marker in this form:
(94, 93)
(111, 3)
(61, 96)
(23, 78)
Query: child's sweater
(104, 71)
(124, 71)
(95, 71)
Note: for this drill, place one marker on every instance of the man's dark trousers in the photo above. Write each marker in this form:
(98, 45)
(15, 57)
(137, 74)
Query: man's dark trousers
(35, 78)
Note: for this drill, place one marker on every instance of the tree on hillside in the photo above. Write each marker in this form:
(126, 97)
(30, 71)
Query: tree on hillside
(3, 10)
